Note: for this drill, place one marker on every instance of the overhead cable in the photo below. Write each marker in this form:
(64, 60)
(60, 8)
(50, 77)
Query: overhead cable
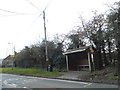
(33, 4)
(18, 13)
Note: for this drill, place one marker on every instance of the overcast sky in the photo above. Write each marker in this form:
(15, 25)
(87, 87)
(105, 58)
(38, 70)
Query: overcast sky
(21, 25)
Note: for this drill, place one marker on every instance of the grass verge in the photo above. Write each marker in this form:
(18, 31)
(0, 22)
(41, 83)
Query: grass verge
(29, 71)
(106, 74)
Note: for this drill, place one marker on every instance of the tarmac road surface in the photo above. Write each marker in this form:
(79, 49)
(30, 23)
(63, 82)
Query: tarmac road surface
(17, 81)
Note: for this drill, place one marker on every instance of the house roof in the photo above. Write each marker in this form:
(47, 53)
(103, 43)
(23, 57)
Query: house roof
(10, 57)
(76, 50)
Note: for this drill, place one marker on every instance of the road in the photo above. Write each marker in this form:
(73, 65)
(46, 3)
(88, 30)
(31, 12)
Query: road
(17, 81)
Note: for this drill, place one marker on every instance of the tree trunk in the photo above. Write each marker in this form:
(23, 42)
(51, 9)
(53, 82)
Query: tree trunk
(109, 49)
(100, 61)
(104, 57)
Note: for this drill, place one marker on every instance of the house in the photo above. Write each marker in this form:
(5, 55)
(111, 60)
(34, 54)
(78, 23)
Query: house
(8, 61)
(80, 59)
(1, 62)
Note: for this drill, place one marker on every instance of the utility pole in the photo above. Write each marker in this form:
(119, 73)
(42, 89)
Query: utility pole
(13, 54)
(13, 57)
(46, 52)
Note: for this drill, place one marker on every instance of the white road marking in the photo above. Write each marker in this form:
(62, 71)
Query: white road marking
(51, 79)
(60, 80)
(12, 84)
(87, 85)
(24, 87)
(30, 80)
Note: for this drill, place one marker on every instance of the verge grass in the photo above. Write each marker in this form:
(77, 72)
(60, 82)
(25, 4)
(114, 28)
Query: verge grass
(0, 70)
(108, 74)
(30, 71)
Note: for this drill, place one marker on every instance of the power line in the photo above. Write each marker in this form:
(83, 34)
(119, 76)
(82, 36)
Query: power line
(39, 9)
(33, 4)
(35, 20)
(48, 5)
(17, 13)
(8, 11)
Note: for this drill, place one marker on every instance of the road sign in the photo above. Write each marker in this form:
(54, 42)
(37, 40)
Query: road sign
(92, 51)
(12, 55)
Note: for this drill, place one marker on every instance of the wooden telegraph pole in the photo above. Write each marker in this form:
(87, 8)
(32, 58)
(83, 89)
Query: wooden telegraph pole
(46, 51)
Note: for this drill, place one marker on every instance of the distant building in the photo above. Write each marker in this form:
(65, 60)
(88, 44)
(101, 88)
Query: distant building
(1, 62)
(80, 59)
(8, 61)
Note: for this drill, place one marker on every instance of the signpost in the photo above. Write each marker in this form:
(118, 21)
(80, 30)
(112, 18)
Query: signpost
(92, 51)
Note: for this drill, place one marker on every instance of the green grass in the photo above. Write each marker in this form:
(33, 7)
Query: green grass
(0, 70)
(111, 77)
(59, 70)
(107, 74)
(30, 71)
(106, 70)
